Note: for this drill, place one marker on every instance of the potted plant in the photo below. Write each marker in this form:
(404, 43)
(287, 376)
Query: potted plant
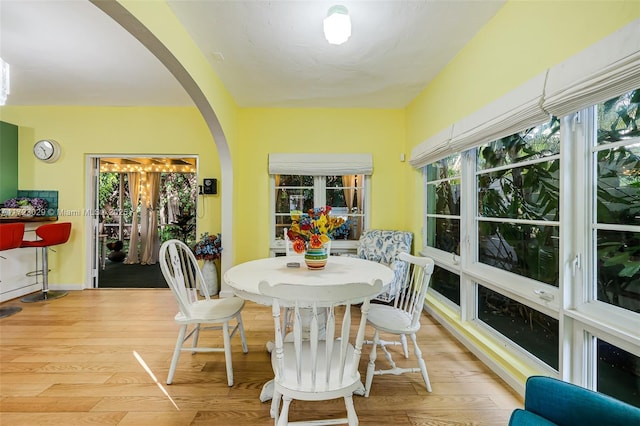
(208, 249)
(311, 233)
(25, 207)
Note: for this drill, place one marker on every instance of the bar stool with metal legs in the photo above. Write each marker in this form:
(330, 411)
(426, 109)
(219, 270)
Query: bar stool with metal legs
(50, 235)
(10, 238)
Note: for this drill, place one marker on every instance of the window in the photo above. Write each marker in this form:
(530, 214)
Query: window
(518, 187)
(443, 204)
(301, 182)
(446, 283)
(345, 195)
(617, 372)
(616, 171)
(499, 209)
(532, 330)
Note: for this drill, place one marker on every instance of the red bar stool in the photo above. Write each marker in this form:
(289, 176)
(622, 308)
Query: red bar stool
(10, 237)
(50, 235)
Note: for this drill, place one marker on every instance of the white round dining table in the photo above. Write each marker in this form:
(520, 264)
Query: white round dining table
(244, 279)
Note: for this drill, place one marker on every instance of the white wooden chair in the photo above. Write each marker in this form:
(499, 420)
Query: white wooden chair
(180, 269)
(316, 366)
(286, 312)
(401, 318)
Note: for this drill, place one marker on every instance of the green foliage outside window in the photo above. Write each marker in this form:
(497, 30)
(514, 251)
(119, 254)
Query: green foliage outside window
(519, 179)
(178, 195)
(618, 201)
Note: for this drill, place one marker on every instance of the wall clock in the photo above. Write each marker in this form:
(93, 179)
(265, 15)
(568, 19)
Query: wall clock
(47, 150)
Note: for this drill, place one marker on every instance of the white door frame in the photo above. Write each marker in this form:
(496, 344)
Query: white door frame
(92, 239)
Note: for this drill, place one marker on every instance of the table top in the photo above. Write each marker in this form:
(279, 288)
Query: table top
(244, 279)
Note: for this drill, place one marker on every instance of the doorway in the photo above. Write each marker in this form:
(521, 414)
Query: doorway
(140, 203)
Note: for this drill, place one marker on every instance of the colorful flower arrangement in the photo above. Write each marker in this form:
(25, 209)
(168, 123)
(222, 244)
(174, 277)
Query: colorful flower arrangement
(315, 228)
(209, 247)
(38, 204)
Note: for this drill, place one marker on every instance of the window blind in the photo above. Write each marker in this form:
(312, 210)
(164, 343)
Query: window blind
(434, 148)
(607, 69)
(320, 164)
(517, 110)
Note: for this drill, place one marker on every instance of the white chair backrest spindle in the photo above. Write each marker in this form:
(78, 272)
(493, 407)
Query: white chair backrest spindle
(182, 274)
(411, 300)
(319, 364)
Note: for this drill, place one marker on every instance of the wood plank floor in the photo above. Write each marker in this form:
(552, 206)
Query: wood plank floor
(101, 357)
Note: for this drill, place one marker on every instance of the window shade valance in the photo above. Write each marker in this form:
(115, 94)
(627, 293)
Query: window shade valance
(604, 70)
(320, 164)
(517, 110)
(434, 148)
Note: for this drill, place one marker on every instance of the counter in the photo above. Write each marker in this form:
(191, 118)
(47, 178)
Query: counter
(16, 263)
(13, 219)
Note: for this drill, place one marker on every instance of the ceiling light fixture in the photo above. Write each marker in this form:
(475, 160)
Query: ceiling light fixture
(337, 25)
(4, 81)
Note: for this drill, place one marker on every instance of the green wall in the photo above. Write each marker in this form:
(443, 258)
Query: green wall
(8, 160)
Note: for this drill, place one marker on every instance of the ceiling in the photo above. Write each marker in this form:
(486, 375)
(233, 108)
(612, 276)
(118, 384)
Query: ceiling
(267, 53)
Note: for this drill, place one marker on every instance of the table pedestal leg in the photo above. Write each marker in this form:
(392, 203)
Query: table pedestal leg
(267, 391)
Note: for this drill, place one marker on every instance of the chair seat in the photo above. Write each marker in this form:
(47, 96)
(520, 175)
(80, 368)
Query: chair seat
(391, 320)
(11, 235)
(306, 390)
(203, 311)
(50, 234)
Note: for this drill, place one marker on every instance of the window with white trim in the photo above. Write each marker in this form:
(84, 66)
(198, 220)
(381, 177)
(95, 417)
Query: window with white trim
(518, 215)
(615, 169)
(521, 194)
(295, 194)
(301, 182)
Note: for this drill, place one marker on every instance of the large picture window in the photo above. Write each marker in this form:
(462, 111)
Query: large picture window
(518, 188)
(544, 227)
(616, 159)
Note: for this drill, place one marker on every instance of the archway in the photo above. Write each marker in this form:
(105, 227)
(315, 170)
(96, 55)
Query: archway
(132, 24)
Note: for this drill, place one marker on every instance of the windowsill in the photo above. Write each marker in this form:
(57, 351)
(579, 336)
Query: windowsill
(501, 358)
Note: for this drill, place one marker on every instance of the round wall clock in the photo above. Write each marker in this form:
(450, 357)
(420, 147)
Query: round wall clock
(47, 150)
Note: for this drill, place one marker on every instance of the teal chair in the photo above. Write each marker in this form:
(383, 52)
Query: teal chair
(549, 402)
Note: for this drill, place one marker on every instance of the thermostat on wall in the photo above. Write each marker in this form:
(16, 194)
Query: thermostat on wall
(210, 186)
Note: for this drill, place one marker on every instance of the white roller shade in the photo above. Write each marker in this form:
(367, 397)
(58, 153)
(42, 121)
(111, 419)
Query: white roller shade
(432, 149)
(517, 110)
(607, 69)
(320, 164)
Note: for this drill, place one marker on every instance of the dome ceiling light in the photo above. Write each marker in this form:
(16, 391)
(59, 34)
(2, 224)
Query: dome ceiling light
(337, 25)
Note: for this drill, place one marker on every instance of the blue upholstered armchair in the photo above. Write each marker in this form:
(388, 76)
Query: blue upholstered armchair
(384, 246)
(549, 402)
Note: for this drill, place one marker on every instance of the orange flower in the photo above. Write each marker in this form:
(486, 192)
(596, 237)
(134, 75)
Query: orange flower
(315, 241)
(299, 246)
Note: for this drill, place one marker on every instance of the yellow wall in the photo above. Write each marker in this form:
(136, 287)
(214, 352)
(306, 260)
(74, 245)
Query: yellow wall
(272, 130)
(496, 61)
(525, 38)
(163, 24)
(95, 130)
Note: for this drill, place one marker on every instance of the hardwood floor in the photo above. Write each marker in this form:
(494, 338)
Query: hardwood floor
(101, 357)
